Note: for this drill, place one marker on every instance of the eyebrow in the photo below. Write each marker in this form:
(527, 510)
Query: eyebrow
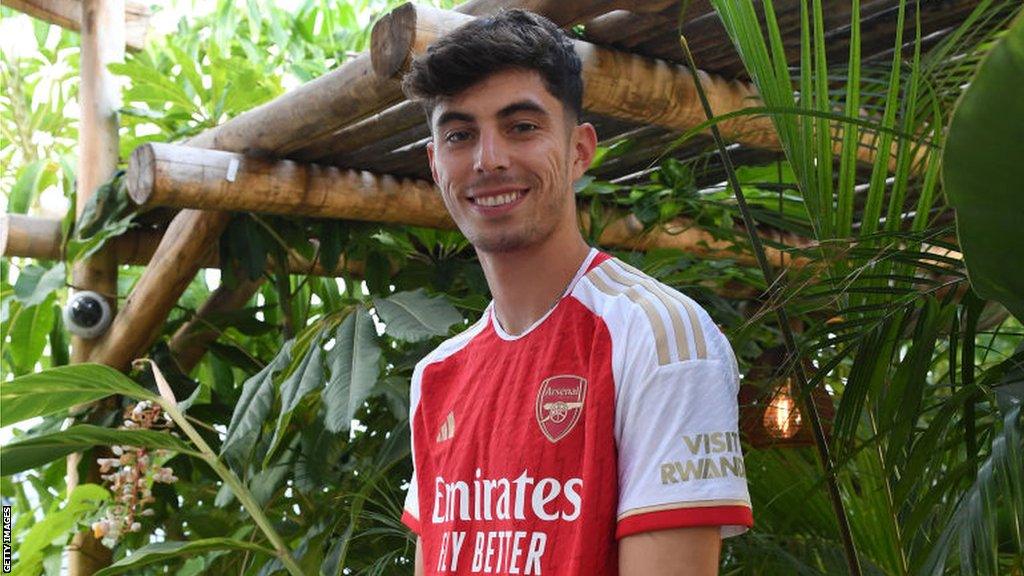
(510, 110)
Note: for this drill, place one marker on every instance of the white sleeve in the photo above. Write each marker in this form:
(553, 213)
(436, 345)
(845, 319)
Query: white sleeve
(680, 461)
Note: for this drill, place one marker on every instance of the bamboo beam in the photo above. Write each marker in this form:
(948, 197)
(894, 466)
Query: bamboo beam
(68, 15)
(40, 238)
(184, 177)
(181, 177)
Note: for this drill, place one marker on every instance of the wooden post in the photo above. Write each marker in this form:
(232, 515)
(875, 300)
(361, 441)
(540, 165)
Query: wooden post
(102, 43)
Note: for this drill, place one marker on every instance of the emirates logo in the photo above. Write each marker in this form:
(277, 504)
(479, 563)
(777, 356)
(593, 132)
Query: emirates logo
(559, 405)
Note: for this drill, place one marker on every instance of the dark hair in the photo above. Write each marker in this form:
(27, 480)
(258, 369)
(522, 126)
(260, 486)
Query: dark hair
(508, 40)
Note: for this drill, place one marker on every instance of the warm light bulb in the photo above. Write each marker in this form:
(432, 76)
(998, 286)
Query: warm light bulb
(782, 418)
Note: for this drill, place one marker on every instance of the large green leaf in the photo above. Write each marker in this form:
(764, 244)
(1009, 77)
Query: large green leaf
(25, 187)
(34, 452)
(307, 377)
(354, 368)
(414, 316)
(165, 551)
(983, 172)
(58, 389)
(252, 409)
(29, 330)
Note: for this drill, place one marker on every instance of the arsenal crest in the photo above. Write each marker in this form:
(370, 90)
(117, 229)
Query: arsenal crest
(559, 405)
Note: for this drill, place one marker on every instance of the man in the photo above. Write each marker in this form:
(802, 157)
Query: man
(587, 423)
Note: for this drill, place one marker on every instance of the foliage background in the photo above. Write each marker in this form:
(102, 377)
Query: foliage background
(304, 394)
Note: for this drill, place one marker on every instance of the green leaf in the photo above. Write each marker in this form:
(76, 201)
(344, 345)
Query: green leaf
(252, 409)
(354, 369)
(414, 316)
(58, 525)
(25, 187)
(29, 331)
(57, 389)
(307, 377)
(36, 283)
(168, 551)
(34, 452)
(982, 172)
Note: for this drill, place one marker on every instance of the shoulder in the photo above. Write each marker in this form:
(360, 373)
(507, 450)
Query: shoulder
(640, 310)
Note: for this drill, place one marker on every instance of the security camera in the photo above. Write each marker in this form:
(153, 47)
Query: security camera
(87, 314)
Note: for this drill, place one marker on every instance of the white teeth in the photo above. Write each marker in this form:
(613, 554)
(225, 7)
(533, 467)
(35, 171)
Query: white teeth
(499, 199)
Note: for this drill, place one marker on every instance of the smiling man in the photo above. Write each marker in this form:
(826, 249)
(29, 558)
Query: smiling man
(587, 423)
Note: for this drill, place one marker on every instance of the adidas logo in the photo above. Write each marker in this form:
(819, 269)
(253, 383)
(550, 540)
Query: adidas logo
(447, 431)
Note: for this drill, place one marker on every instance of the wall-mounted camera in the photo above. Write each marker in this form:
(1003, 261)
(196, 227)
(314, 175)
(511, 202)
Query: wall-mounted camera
(87, 314)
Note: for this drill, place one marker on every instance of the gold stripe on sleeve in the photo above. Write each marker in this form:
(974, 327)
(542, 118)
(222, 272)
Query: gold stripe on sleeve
(691, 313)
(682, 505)
(682, 345)
(660, 337)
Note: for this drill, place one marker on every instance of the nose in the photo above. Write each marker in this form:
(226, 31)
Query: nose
(491, 152)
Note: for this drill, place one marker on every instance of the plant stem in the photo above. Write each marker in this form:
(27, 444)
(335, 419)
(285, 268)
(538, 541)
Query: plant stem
(239, 489)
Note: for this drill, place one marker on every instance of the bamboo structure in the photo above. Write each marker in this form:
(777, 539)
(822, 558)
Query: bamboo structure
(68, 15)
(279, 128)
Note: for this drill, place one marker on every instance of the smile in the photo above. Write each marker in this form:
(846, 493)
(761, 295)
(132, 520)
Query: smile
(498, 199)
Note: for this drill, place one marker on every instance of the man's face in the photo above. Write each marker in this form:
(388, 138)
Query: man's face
(505, 156)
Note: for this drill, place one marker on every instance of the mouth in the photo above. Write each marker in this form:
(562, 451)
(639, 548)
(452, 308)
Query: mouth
(498, 199)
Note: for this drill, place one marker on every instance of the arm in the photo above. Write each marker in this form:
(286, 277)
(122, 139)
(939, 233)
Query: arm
(676, 552)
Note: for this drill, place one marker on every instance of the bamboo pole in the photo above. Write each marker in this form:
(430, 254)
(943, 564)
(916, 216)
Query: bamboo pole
(68, 15)
(40, 238)
(102, 43)
(182, 177)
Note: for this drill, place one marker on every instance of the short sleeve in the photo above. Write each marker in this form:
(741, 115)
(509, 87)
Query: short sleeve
(680, 461)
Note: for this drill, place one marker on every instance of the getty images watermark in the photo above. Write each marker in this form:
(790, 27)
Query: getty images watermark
(7, 539)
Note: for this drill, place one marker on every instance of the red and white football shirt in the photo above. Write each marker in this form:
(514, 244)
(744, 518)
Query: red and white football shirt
(614, 414)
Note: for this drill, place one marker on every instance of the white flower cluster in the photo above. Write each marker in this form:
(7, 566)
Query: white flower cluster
(130, 476)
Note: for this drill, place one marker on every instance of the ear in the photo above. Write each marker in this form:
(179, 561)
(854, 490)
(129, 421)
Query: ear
(430, 158)
(584, 143)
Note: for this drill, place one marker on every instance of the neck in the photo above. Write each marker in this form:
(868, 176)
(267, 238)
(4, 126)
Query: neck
(527, 284)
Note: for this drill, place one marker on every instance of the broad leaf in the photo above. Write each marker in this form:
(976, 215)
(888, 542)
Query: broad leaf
(354, 369)
(169, 551)
(29, 332)
(307, 377)
(58, 389)
(414, 316)
(252, 409)
(982, 172)
(25, 187)
(36, 283)
(34, 452)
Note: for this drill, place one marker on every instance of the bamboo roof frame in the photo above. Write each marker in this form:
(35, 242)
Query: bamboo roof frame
(355, 118)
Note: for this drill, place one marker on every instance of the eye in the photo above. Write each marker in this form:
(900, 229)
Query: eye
(522, 127)
(456, 136)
